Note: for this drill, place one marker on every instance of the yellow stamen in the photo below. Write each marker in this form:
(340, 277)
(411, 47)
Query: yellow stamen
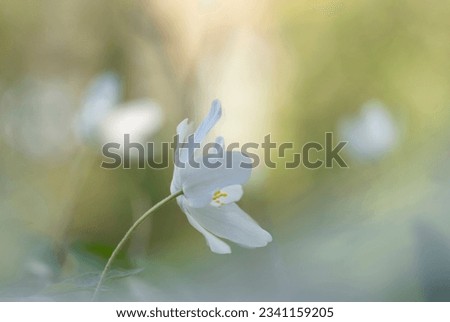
(217, 195)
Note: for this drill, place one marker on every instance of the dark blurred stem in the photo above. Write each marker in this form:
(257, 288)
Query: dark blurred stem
(127, 236)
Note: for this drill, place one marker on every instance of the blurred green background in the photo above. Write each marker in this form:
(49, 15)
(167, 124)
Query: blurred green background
(76, 74)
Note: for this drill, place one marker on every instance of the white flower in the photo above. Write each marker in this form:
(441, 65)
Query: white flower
(140, 119)
(372, 134)
(103, 118)
(209, 194)
(102, 95)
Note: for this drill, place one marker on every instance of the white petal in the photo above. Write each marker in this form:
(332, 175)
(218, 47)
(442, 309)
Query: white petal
(102, 95)
(140, 119)
(184, 129)
(231, 222)
(103, 91)
(208, 123)
(215, 244)
(175, 185)
(200, 183)
(227, 195)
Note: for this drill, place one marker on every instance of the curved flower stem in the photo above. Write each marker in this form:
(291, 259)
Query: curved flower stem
(127, 236)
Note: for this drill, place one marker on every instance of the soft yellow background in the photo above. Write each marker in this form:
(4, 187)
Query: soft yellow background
(296, 69)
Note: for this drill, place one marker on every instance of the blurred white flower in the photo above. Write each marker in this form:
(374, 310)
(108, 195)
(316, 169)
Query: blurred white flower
(210, 193)
(102, 95)
(139, 118)
(372, 134)
(102, 119)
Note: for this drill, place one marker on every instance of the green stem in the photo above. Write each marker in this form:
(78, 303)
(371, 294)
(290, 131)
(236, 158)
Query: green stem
(127, 236)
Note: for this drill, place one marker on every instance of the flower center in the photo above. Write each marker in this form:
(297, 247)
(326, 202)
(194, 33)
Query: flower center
(218, 197)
